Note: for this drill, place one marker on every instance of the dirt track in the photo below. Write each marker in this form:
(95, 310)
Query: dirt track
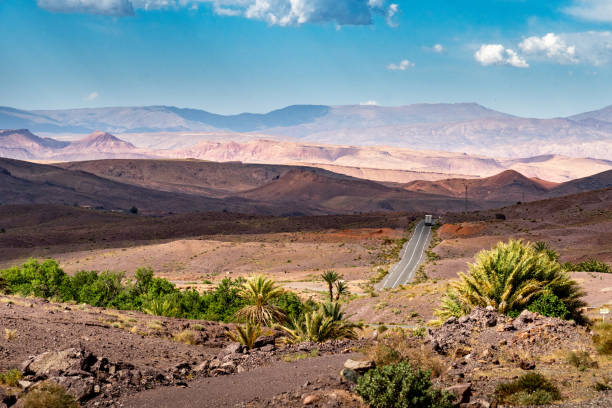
(252, 386)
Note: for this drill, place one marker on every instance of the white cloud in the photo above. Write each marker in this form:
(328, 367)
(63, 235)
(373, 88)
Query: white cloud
(391, 12)
(497, 54)
(438, 48)
(550, 46)
(369, 103)
(104, 7)
(592, 47)
(593, 10)
(92, 96)
(402, 66)
(274, 12)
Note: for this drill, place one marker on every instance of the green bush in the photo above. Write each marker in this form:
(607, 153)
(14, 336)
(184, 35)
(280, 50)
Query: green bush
(10, 378)
(550, 305)
(590, 265)
(528, 389)
(145, 293)
(401, 386)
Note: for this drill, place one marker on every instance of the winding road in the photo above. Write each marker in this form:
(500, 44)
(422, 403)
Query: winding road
(411, 256)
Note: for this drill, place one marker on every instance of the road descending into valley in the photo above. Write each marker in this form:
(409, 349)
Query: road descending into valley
(411, 256)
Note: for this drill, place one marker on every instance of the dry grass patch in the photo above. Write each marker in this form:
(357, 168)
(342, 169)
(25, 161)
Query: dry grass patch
(186, 337)
(290, 358)
(155, 325)
(10, 334)
(49, 395)
(398, 345)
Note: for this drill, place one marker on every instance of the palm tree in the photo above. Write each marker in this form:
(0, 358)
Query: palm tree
(543, 247)
(330, 277)
(161, 307)
(327, 322)
(259, 292)
(509, 277)
(245, 335)
(341, 289)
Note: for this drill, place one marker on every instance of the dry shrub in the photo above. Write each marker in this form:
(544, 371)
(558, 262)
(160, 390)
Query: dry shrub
(187, 337)
(399, 345)
(49, 395)
(10, 334)
(603, 338)
(581, 360)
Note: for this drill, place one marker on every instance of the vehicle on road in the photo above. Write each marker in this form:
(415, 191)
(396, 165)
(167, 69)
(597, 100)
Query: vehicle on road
(429, 220)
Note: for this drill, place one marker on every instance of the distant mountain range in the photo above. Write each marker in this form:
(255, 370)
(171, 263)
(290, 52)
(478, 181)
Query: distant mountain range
(460, 127)
(387, 164)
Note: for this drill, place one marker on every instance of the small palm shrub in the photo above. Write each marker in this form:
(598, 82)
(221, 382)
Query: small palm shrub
(341, 289)
(510, 277)
(49, 395)
(401, 386)
(544, 248)
(326, 322)
(246, 335)
(330, 277)
(259, 294)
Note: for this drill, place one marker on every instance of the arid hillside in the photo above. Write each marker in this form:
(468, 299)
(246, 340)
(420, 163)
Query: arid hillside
(510, 186)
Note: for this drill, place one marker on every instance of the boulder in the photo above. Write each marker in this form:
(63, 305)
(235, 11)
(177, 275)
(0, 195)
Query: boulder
(53, 363)
(80, 388)
(360, 366)
(232, 348)
(462, 392)
(349, 376)
(527, 365)
(262, 341)
(310, 399)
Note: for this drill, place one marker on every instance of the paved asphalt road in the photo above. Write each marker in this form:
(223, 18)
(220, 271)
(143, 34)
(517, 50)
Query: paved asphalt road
(412, 254)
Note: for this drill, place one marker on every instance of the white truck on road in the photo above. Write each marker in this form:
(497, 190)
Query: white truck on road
(428, 220)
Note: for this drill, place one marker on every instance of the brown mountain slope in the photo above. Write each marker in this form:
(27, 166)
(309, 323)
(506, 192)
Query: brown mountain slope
(508, 186)
(307, 187)
(594, 182)
(29, 183)
(188, 176)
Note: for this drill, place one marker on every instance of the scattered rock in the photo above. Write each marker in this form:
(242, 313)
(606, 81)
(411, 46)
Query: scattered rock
(349, 376)
(360, 366)
(232, 348)
(462, 392)
(527, 365)
(264, 341)
(310, 399)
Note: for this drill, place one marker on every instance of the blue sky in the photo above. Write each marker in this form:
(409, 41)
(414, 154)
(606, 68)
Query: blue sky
(526, 57)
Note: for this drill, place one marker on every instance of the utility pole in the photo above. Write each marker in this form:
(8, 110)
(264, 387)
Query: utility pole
(466, 197)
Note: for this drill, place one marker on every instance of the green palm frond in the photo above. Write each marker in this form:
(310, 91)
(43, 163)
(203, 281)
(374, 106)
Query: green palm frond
(509, 277)
(327, 322)
(246, 335)
(259, 292)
